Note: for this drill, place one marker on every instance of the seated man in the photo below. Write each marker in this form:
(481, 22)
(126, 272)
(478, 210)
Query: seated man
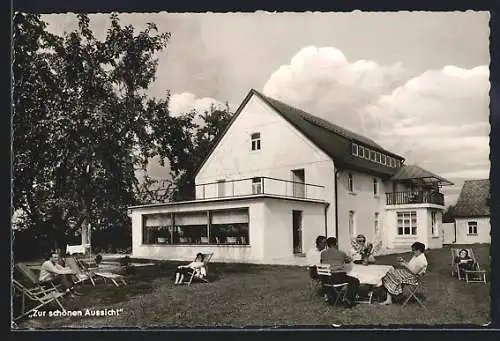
(337, 261)
(314, 256)
(52, 272)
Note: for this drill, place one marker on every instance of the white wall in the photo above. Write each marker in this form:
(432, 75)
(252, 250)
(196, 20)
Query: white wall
(448, 231)
(244, 253)
(483, 230)
(423, 227)
(278, 233)
(434, 241)
(283, 149)
(364, 203)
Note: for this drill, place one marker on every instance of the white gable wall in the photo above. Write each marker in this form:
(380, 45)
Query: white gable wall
(283, 148)
(483, 230)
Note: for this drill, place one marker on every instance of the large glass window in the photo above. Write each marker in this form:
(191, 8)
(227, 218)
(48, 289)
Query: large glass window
(407, 223)
(191, 228)
(157, 229)
(229, 226)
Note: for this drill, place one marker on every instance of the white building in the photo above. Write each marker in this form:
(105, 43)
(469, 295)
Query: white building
(472, 213)
(276, 179)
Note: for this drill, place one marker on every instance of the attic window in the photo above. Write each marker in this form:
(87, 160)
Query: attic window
(373, 155)
(361, 151)
(255, 141)
(379, 157)
(383, 159)
(354, 149)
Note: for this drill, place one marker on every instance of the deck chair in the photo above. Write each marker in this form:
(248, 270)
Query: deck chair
(413, 289)
(474, 275)
(81, 275)
(193, 274)
(32, 278)
(339, 289)
(114, 278)
(39, 296)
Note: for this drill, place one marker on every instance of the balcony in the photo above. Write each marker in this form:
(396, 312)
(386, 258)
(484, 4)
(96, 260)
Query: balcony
(415, 197)
(259, 186)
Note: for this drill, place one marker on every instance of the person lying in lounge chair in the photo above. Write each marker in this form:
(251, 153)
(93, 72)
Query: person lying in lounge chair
(185, 270)
(51, 272)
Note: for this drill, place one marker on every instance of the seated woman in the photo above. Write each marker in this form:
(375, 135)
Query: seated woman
(362, 252)
(464, 262)
(184, 270)
(393, 280)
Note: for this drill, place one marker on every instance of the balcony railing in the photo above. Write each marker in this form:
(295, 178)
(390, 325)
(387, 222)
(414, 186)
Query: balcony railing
(259, 185)
(415, 197)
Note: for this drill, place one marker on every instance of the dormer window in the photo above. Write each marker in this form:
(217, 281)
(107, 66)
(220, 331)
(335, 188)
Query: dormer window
(361, 151)
(354, 149)
(383, 159)
(256, 141)
(379, 157)
(373, 155)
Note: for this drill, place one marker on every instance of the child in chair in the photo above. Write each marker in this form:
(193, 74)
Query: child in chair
(184, 270)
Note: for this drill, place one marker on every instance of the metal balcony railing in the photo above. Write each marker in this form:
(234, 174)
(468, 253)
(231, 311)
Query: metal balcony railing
(259, 185)
(415, 197)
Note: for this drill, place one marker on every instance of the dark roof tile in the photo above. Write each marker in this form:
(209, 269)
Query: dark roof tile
(473, 199)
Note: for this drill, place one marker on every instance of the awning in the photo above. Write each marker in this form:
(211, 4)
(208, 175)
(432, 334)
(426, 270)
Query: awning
(414, 172)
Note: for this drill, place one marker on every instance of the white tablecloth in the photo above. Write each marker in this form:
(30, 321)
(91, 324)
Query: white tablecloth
(369, 274)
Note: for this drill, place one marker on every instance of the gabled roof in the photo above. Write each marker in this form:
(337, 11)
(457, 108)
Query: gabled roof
(414, 172)
(473, 199)
(334, 140)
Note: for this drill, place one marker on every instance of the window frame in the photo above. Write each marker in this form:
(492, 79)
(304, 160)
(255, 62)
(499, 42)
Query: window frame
(350, 182)
(361, 152)
(376, 187)
(255, 142)
(472, 223)
(354, 149)
(413, 230)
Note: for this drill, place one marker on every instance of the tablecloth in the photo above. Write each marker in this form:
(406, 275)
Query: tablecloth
(369, 274)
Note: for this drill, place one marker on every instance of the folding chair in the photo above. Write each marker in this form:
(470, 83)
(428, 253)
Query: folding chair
(365, 299)
(38, 295)
(193, 274)
(32, 278)
(474, 275)
(81, 275)
(102, 274)
(325, 274)
(314, 280)
(413, 288)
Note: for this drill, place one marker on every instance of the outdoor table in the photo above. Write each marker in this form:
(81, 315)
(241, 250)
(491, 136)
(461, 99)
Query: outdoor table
(369, 274)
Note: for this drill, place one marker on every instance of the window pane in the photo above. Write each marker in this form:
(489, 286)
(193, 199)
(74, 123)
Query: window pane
(354, 149)
(413, 230)
(400, 230)
(229, 234)
(361, 151)
(229, 216)
(407, 230)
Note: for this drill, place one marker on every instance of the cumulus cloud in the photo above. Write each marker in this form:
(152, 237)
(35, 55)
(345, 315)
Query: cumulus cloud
(186, 102)
(322, 81)
(438, 119)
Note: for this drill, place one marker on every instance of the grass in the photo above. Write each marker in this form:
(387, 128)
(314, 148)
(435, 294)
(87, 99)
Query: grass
(263, 295)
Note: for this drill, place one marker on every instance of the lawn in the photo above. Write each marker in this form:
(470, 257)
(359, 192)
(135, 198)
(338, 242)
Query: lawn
(263, 295)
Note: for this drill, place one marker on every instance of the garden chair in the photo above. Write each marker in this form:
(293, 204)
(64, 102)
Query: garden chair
(414, 288)
(115, 278)
(325, 273)
(475, 275)
(81, 275)
(365, 299)
(193, 274)
(32, 278)
(314, 280)
(38, 295)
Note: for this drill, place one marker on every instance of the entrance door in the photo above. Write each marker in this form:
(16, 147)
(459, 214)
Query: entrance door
(298, 178)
(297, 231)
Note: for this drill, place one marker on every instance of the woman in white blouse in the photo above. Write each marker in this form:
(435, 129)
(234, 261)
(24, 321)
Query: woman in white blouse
(394, 279)
(198, 266)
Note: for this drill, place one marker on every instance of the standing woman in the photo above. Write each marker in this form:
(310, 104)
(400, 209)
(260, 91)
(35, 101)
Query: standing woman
(394, 279)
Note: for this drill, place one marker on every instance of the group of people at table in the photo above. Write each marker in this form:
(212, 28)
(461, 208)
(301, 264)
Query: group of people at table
(341, 265)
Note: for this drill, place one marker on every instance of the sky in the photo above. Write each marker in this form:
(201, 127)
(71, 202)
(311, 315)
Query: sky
(415, 82)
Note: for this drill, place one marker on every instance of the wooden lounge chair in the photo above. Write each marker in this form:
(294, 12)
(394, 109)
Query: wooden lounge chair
(475, 274)
(39, 296)
(81, 275)
(325, 274)
(193, 274)
(105, 275)
(32, 278)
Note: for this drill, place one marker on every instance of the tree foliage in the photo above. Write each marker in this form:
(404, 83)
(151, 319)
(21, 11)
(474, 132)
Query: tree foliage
(80, 123)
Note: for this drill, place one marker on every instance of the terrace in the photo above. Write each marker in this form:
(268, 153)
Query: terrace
(415, 197)
(259, 186)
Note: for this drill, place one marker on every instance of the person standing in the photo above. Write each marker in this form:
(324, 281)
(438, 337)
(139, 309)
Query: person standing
(338, 261)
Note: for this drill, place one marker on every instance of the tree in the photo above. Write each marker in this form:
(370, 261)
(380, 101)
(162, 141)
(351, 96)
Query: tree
(186, 143)
(448, 215)
(81, 123)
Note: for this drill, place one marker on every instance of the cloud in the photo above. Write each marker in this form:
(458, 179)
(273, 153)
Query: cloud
(439, 120)
(322, 81)
(186, 102)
